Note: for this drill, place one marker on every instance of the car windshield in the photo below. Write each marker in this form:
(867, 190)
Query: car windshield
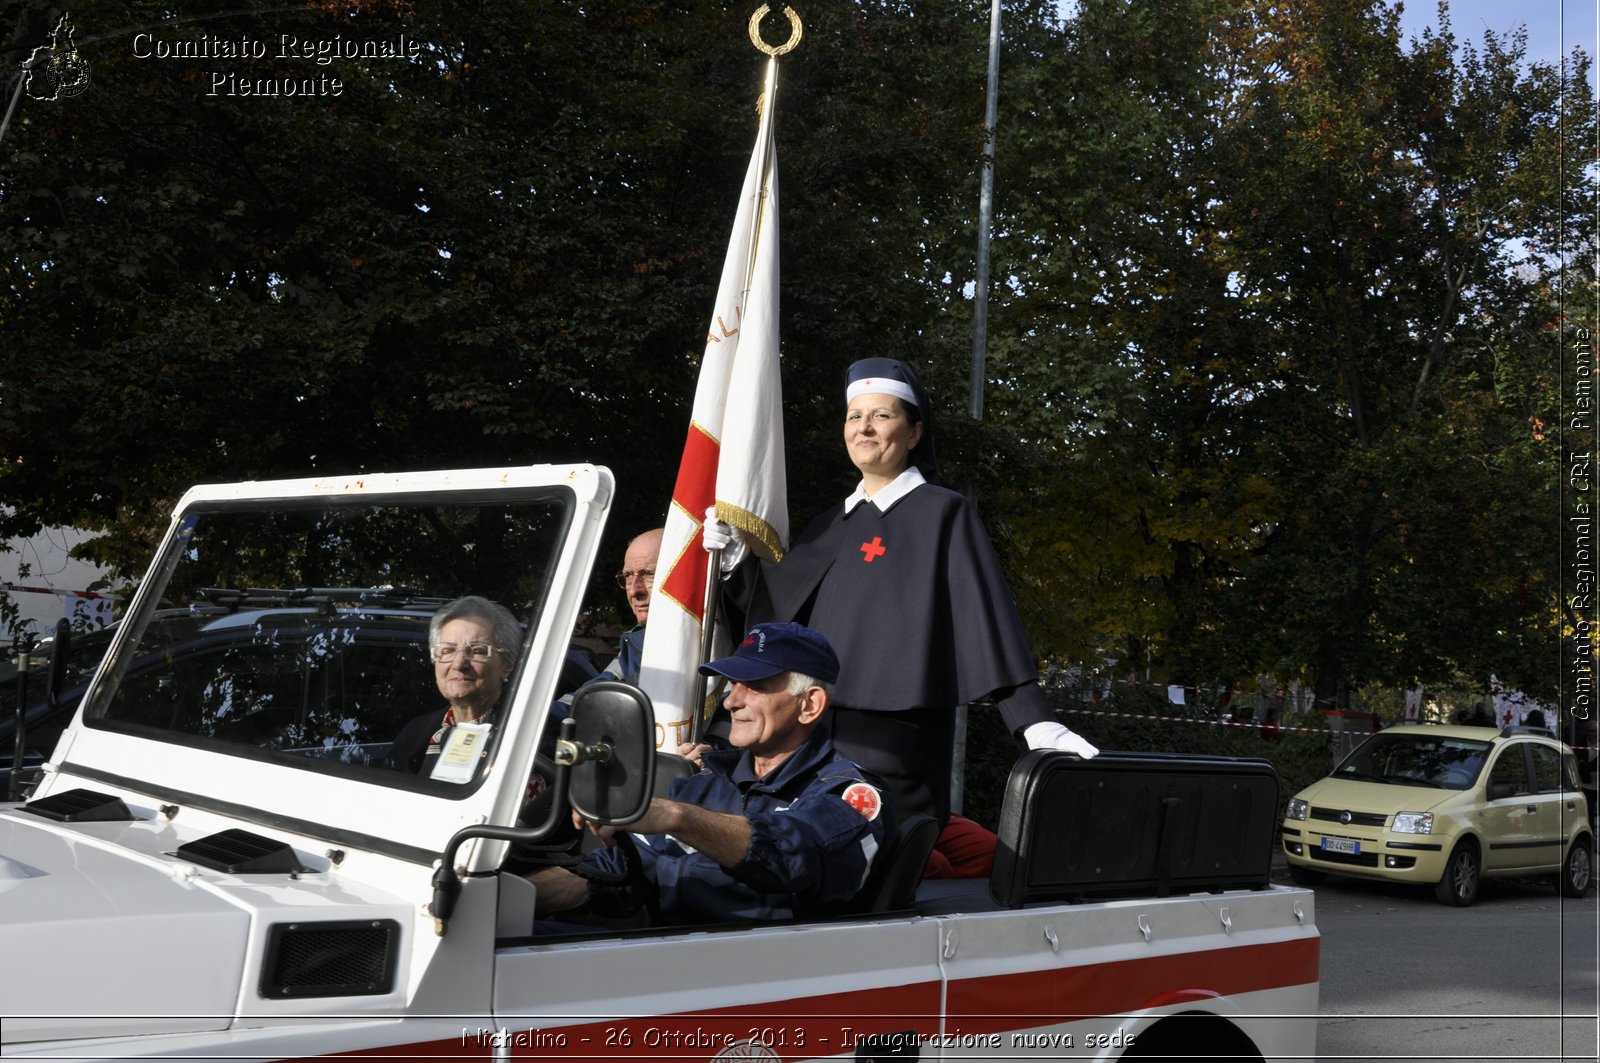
(1412, 759)
(299, 632)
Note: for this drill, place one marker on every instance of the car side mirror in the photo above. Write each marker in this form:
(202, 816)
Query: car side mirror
(612, 753)
(1498, 790)
(605, 766)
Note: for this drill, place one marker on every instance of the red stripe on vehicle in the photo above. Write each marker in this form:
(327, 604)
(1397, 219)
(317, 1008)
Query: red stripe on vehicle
(1122, 986)
(833, 1023)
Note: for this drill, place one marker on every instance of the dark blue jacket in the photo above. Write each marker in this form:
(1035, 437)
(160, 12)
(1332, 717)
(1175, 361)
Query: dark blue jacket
(810, 848)
(630, 654)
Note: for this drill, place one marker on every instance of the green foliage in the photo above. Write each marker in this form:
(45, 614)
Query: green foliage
(502, 251)
(1271, 351)
(1278, 337)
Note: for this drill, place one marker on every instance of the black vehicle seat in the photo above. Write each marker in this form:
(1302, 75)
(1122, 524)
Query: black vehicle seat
(892, 884)
(670, 766)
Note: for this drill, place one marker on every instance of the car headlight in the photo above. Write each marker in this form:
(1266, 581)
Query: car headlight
(1297, 809)
(1413, 823)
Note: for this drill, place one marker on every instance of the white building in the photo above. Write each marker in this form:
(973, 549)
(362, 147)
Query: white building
(39, 575)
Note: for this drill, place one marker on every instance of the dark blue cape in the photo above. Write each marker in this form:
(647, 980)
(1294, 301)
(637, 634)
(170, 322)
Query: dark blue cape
(916, 606)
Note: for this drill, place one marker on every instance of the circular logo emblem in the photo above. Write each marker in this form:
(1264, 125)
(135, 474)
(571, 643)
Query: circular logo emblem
(864, 799)
(1345, 817)
(747, 1050)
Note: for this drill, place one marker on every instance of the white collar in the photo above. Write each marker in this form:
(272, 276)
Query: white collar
(890, 493)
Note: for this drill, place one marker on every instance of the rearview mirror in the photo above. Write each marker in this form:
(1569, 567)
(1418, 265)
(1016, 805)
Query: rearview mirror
(614, 755)
(1498, 790)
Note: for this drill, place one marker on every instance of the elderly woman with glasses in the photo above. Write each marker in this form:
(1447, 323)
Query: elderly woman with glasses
(474, 644)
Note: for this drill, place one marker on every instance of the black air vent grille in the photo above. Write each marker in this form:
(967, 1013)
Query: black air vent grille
(238, 852)
(1360, 819)
(342, 959)
(80, 806)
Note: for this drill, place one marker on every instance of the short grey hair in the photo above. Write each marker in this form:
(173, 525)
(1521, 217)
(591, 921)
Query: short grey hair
(799, 683)
(507, 633)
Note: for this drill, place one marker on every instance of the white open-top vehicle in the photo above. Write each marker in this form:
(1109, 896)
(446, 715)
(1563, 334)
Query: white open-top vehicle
(219, 862)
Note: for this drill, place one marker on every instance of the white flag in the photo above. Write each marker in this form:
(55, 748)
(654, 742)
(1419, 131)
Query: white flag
(733, 455)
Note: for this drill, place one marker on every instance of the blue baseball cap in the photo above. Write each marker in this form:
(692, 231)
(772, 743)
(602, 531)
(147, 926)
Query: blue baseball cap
(772, 648)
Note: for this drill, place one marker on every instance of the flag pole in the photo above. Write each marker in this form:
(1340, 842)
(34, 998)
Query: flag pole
(765, 105)
(980, 340)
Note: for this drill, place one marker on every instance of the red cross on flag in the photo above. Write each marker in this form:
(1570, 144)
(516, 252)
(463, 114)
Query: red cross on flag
(733, 456)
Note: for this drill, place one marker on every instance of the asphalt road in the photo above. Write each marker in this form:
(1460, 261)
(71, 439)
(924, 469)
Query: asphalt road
(1514, 977)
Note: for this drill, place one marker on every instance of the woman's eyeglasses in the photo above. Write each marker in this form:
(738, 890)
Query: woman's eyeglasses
(477, 652)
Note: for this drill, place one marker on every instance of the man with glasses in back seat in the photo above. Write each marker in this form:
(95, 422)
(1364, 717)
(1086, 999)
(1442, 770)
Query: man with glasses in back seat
(778, 826)
(637, 578)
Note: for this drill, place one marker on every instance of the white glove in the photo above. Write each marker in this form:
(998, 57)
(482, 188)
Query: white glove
(720, 535)
(1048, 735)
(715, 534)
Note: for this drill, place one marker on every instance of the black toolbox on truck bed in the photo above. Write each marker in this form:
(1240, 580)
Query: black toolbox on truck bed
(1133, 824)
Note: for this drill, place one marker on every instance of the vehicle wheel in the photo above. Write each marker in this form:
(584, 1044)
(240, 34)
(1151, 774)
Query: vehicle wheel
(1459, 883)
(1192, 1035)
(1307, 876)
(1577, 870)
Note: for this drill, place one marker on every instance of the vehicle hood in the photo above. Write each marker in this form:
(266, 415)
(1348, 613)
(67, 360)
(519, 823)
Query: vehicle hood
(91, 927)
(1360, 796)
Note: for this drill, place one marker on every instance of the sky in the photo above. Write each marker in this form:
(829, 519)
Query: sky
(1554, 26)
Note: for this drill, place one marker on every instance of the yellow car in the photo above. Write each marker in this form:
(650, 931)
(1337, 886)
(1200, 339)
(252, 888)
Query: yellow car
(1445, 807)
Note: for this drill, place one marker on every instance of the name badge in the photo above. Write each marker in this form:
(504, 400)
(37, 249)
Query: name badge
(463, 745)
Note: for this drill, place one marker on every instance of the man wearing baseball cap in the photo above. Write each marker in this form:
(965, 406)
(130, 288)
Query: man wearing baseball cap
(778, 826)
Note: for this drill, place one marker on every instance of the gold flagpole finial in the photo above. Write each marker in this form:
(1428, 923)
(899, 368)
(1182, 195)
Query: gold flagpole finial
(795, 31)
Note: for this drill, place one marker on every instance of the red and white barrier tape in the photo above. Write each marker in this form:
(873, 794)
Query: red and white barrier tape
(1250, 724)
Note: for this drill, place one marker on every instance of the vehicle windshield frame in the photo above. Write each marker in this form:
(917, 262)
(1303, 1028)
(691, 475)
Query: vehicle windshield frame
(404, 819)
(303, 616)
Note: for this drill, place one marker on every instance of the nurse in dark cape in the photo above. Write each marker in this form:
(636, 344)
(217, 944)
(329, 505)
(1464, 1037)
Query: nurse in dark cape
(902, 579)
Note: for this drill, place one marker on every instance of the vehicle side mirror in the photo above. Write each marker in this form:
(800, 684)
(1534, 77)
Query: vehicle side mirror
(1498, 790)
(613, 753)
(55, 677)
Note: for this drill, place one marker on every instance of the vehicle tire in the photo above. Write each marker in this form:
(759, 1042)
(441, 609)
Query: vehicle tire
(1307, 876)
(1192, 1035)
(1577, 870)
(1458, 885)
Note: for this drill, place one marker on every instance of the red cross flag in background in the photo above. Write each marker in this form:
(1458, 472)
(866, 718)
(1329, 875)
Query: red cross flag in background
(733, 456)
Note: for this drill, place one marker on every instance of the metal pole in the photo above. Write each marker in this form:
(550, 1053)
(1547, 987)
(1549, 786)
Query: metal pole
(22, 79)
(23, 645)
(708, 635)
(980, 335)
(980, 308)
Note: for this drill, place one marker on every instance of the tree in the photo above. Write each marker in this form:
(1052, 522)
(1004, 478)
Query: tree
(499, 247)
(1298, 274)
(1270, 350)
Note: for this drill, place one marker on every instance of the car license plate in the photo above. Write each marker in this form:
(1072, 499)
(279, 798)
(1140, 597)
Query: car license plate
(1341, 845)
